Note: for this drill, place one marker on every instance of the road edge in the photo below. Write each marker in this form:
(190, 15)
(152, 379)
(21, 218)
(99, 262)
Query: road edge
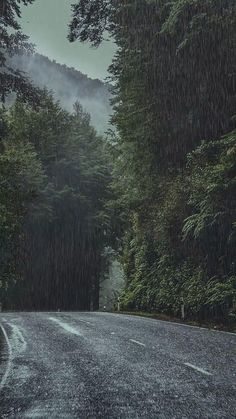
(172, 321)
(9, 359)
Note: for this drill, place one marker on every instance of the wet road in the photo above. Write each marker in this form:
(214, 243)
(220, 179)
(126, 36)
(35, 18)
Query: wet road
(99, 365)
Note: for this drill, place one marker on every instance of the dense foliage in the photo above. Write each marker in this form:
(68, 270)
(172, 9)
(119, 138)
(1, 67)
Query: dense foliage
(13, 41)
(68, 85)
(170, 208)
(174, 79)
(53, 177)
(53, 185)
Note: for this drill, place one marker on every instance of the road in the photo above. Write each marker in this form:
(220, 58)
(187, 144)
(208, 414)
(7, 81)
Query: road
(100, 365)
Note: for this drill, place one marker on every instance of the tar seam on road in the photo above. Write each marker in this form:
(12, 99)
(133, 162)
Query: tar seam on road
(137, 342)
(7, 372)
(197, 369)
(66, 326)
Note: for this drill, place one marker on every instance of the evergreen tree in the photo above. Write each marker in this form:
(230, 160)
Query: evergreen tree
(12, 42)
(174, 86)
(62, 230)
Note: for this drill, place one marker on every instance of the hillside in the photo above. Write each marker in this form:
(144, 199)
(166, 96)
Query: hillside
(68, 86)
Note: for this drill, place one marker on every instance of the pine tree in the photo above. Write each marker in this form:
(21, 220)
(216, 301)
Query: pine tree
(13, 41)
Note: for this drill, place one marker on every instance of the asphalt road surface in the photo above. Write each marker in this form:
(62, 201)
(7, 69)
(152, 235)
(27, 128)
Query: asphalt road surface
(99, 365)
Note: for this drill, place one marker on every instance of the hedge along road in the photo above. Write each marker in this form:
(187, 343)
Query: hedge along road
(100, 365)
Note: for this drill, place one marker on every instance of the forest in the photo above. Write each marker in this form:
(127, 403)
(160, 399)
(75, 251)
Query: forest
(68, 86)
(159, 188)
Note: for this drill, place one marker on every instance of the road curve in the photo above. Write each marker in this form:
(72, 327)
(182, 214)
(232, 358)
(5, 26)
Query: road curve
(100, 365)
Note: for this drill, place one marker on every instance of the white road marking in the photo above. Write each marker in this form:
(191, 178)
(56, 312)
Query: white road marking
(18, 339)
(137, 342)
(197, 369)
(112, 333)
(7, 372)
(66, 327)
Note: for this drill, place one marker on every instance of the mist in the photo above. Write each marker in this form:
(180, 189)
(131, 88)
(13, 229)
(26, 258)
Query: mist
(68, 86)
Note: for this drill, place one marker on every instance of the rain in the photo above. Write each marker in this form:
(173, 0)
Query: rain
(117, 207)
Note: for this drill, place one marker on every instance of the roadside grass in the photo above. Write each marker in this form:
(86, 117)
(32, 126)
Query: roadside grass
(229, 326)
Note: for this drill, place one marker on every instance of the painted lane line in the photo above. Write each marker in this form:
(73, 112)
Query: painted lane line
(137, 342)
(197, 368)
(9, 362)
(18, 339)
(66, 327)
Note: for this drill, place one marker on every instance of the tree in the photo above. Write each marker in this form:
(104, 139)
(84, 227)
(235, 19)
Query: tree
(21, 177)
(63, 233)
(170, 93)
(12, 42)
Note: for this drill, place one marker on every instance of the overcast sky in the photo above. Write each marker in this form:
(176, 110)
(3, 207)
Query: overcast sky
(46, 22)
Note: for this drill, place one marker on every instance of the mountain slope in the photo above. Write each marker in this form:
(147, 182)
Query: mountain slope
(68, 86)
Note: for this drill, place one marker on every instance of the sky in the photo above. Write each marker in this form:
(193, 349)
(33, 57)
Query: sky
(46, 23)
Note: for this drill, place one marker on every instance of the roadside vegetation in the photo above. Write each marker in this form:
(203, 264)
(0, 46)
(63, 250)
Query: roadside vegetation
(174, 172)
(161, 189)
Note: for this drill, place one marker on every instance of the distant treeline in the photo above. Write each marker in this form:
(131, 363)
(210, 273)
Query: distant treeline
(68, 86)
(170, 208)
(175, 153)
(53, 177)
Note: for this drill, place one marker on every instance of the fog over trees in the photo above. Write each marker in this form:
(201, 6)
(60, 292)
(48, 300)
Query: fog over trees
(54, 178)
(68, 86)
(159, 188)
